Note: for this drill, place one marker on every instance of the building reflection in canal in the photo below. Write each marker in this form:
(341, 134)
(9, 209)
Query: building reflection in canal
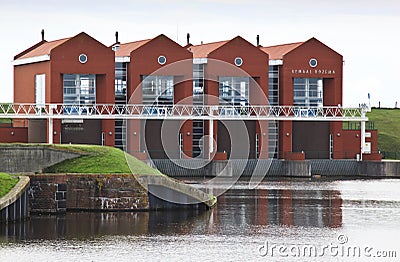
(237, 211)
(307, 208)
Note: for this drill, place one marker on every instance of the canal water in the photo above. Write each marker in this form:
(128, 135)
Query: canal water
(303, 220)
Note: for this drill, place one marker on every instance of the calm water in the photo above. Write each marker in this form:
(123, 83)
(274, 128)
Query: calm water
(279, 221)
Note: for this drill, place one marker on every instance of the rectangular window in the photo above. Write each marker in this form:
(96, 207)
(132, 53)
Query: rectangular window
(308, 92)
(273, 99)
(234, 90)
(198, 84)
(40, 89)
(158, 90)
(273, 85)
(79, 89)
(120, 78)
(198, 99)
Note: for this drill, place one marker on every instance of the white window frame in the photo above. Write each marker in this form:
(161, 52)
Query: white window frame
(40, 90)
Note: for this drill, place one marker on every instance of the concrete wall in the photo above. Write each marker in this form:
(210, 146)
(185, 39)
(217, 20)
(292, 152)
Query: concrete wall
(380, 169)
(20, 158)
(14, 205)
(296, 168)
(277, 168)
(236, 167)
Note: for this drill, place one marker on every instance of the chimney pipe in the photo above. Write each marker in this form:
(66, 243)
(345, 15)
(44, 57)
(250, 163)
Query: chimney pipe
(116, 37)
(188, 38)
(42, 34)
(258, 40)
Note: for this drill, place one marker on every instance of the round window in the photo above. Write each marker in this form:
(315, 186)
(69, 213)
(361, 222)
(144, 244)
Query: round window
(82, 58)
(162, 59)
(238, 61)
(313, 62)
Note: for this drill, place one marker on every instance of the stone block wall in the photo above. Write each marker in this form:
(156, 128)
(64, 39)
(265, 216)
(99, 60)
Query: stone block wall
(114, 192)
(57, 193)
(47, 193)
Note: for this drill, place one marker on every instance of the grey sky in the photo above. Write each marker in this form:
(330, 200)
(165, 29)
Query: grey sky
(366, 33)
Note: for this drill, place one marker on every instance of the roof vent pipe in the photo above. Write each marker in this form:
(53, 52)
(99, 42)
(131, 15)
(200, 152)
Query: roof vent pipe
(42, 34)
(258, 40)
(188, 38)
(116, 37)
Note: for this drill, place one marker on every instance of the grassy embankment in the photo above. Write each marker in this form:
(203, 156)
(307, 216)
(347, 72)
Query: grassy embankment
(100, 160)
(387, 121)
(7, 182)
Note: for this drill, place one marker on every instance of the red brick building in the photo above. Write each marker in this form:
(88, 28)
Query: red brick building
(158, 71)
(235, 72)
(311, 74)
(155, 71)
(77, 70)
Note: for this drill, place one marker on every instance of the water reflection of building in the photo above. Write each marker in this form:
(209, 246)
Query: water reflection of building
(304, 208)
(314, 208)
(237, 211)
(78, 225)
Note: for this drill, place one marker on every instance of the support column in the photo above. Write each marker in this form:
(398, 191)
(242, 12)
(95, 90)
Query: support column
(211, 137)
(362, 135)
(50, 131)
(51, 125)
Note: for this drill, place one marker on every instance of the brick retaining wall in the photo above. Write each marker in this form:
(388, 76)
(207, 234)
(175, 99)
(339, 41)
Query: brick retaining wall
(55, 193)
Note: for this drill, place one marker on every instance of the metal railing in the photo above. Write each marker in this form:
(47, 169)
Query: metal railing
(390, 155)
(357, 125)
(181, 112)
(308, 154)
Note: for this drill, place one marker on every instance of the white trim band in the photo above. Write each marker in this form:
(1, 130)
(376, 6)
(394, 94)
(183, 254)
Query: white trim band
(31, 60)
(275, 62)
(199, 61)
(122, 59)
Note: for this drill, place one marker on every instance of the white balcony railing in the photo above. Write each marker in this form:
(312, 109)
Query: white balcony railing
(181, 112)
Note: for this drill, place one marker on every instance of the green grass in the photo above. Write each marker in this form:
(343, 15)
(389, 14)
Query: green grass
(5, 121)
(7, 182)
(100, 160)
(387, 121)
(5, 106)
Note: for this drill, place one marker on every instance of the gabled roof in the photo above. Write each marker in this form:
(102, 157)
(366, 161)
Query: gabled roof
(41, 49)
(278, 51)
(127, 48)
(202, 51)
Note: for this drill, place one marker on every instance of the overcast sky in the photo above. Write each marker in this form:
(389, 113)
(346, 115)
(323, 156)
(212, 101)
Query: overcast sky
(365, 32)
